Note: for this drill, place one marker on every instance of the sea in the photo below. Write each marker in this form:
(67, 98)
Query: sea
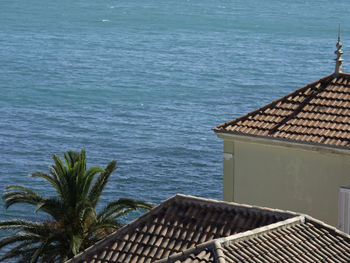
(146, 81)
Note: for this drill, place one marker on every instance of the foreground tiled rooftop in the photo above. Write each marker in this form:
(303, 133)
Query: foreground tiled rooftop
(318, 113)
(300, 239)
(178, 224)
(186, 229)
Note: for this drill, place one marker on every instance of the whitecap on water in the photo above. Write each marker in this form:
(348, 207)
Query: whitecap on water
(105, 20)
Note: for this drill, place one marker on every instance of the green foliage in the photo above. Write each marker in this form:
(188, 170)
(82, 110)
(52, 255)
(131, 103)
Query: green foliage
(74, 223)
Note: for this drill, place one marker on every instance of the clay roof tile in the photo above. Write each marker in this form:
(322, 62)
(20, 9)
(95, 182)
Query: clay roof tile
(326, 100)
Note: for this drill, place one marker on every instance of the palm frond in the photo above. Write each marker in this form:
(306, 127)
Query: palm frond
(59, 166)
(61, 181)
(52, 206)
(105, 224)
(49, 178)
(123, 206)
(18, 237)
(102, 179)
(39, 250)
(100, 230)
(54, 254)
(24, 196)
(89, 177)
(25, 225)
(69, 159)
(22, 251)
(24, 189)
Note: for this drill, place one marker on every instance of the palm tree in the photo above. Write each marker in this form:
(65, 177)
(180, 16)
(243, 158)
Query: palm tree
(73, 223)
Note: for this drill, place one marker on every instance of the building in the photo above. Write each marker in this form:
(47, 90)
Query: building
(294, 153)
(186, 229)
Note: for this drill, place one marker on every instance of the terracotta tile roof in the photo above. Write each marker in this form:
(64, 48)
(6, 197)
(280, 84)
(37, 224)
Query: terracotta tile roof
(300, 239)
(186, 229)
(178, 224)
(318, 113)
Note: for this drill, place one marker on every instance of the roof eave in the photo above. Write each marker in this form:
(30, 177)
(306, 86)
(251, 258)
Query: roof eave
(283, 141)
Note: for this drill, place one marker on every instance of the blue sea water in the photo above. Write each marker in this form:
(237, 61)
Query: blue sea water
(144, 82)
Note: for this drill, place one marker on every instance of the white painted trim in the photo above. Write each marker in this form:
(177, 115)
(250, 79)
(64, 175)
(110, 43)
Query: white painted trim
(260, 230)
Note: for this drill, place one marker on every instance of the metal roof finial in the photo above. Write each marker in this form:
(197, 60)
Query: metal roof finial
(338, 52)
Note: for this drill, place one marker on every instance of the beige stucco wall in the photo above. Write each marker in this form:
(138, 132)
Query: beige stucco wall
(287, 177)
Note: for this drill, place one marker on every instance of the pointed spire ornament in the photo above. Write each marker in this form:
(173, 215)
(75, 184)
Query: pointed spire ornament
(338, 52)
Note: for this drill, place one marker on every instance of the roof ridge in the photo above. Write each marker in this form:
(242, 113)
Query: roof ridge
(226, 204)
(343, 74)
(231, 122)
(218, 253)
(224, 241)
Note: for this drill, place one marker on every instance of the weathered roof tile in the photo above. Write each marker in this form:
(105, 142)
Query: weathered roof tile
(185, 229)
(178, 224)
